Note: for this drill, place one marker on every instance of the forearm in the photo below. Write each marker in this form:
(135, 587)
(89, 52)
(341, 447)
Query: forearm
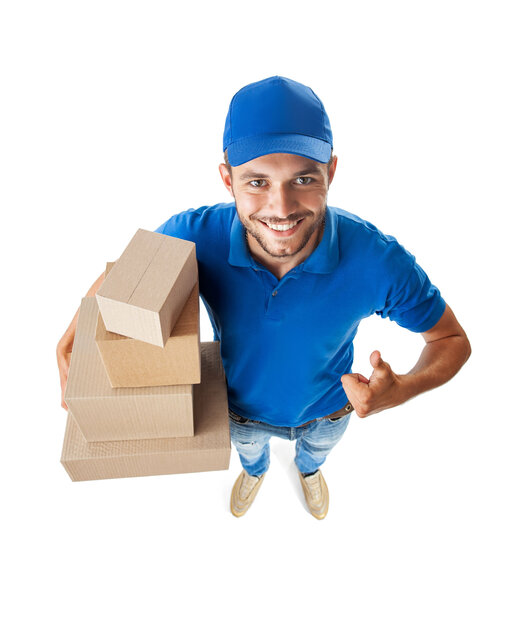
(439, 361)
(447, 349)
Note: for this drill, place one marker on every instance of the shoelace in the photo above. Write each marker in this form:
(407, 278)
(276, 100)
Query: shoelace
(314, 485)
(248, 483)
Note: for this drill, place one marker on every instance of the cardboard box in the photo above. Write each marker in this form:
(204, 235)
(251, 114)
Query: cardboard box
(132, 363)
(208, 449)
(105, 413)
(146, 290)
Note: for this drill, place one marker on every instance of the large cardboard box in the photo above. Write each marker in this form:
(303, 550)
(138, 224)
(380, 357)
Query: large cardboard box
(105, 413)
(146, 290)
(208, 449)
(132, 363)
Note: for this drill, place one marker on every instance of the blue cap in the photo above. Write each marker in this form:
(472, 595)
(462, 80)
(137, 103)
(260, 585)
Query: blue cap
(276, 114)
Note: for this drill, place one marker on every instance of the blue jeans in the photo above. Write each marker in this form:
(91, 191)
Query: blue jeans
(314, 440)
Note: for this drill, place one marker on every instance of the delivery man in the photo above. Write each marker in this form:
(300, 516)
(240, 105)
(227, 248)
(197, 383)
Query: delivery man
(287, 279)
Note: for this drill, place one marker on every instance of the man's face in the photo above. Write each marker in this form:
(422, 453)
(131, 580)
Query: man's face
(281, 201)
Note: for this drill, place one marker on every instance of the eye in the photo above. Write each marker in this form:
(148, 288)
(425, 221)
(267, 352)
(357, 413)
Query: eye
(253, 183)
(306, 180)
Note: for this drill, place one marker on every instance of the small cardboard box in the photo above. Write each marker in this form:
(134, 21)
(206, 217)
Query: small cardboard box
(104, 413)
(146, 290)
(208, 449)
(132, 363)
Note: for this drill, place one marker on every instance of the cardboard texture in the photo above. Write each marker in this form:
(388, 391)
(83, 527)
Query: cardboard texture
(147, 289)
(208, 449)
(132, 363)
(104, 413)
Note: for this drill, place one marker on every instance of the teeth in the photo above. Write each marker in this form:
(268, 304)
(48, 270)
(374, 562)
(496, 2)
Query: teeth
(281, 227)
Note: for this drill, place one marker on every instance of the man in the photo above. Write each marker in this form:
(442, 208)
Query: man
(286, 280)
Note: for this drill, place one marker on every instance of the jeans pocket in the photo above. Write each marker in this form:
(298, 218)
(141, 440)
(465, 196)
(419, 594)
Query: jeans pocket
(337, 418)
(346, 411)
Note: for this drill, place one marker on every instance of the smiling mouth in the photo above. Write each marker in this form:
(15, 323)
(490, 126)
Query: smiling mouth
(287, 228)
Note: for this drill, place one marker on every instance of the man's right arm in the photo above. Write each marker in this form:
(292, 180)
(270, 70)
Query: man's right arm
(64, 348)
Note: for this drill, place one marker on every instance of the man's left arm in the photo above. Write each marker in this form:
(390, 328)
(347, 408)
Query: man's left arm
(447, 349)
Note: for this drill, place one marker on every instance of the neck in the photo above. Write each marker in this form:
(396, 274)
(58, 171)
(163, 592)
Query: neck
(280, 266)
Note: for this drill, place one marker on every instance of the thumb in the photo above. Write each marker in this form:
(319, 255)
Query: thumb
(376, 361)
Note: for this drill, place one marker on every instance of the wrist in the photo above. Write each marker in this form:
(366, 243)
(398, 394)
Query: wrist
(409, 386)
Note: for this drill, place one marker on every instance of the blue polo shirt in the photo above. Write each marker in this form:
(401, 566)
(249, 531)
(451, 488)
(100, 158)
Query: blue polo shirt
(286, 343)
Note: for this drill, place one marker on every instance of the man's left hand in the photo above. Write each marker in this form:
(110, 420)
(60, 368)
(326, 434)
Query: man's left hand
(383, 390)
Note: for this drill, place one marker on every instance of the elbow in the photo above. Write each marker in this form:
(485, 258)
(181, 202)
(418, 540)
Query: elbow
(467, 349)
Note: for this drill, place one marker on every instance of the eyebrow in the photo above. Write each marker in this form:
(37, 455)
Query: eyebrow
(249, 174)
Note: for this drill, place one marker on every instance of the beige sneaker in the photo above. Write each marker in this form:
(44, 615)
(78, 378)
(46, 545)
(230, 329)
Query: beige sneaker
(244, 492)
(316, 494)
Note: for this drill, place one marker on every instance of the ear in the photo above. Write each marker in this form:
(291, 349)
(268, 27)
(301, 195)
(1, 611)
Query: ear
(332, 169)
(226, 177)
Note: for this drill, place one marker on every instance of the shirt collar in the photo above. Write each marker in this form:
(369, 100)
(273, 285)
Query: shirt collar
(239, 254)
(325, 257)
(323, 260)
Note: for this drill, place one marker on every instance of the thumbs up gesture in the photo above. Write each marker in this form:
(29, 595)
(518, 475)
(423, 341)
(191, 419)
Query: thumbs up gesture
(383, 390)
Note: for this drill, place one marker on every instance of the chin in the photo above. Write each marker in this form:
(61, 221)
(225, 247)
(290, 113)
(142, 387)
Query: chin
(285, 250)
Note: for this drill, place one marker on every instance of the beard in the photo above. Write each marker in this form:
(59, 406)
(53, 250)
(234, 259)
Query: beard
(280, 252)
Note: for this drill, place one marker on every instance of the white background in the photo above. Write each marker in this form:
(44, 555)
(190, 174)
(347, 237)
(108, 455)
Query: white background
(111, 120)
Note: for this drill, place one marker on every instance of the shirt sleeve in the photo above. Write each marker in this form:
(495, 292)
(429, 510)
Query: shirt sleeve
(187, 225)
(203, 226)
(178, 226)
(411, 299)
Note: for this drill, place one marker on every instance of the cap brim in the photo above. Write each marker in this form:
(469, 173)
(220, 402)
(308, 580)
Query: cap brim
(249, 148)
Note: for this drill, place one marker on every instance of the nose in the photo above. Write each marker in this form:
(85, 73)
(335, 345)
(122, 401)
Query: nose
(282, 202)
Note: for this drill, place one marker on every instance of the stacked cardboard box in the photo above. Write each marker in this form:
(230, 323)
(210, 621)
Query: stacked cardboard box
(145, 397)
